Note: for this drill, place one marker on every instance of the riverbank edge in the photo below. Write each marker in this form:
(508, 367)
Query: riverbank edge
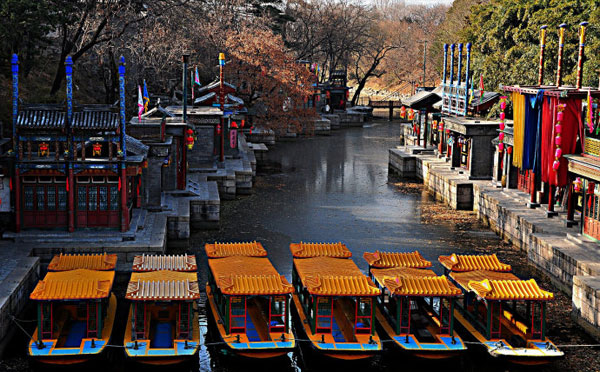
(571, 261)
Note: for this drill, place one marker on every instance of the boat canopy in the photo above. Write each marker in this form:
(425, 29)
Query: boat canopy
(183, 262)
(307, 250)
(238, 275)
(509, 290)
(250, 249)
(396, 259)
(463, 278)
(64, 262)
(327, 276)
(402, 281)
(79, 284)
(163, 285)
(490, 262)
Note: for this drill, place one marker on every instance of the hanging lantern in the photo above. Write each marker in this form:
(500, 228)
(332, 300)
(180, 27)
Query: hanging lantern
(558, 138)
(189, 139)
(234, 124)
(96, 149)
(577, 183)
(219, 128)
(502, 124)
(43, 149)
(509, 150)
(243, 122)
(441, 126)
(402, 112)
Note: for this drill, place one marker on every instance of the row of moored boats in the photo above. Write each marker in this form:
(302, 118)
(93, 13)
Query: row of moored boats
(340, 312)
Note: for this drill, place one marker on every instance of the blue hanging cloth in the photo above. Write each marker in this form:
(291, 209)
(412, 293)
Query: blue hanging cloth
(532, 113)
(538, 101)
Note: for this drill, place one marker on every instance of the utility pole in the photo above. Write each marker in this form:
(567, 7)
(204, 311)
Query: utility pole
(424, 60)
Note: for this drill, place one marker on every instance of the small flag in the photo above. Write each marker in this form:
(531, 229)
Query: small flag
(481, 88)
(192, 85)
(140, 103)
(197, 77)
(146, 97)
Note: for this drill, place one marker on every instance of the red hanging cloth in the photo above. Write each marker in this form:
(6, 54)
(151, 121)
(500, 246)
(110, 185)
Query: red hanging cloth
(572, 127)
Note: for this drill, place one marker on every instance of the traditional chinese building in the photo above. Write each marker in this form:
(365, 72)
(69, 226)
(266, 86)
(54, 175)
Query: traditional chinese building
(336, 90)
(75, 167)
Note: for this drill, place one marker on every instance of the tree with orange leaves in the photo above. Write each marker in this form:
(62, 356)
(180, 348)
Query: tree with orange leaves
(272, 84)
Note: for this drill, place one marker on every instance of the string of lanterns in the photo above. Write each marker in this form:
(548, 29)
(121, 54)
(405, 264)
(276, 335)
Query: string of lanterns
(558, 138)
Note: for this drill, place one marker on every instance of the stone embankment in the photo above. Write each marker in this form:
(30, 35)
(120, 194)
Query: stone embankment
(568, 258)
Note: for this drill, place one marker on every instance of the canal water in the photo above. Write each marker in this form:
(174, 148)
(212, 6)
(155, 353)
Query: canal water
(326, 189)
(336, 188)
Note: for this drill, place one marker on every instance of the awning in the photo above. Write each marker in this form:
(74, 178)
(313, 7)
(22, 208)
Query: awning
(64, 262)
(330, 276)
(509, 290)
(306, 250)
(456, 262)
(163, 285)
(80, 284)
(396, 259)
(239, 275)
(249, 249)
(183, 262)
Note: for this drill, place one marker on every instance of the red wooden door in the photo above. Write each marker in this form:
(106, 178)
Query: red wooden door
(44, 205)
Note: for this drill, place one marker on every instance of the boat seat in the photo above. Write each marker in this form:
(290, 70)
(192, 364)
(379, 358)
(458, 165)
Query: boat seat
(76, 334)
(163, 336)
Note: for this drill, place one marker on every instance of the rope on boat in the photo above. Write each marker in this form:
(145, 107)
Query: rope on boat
(23, 329)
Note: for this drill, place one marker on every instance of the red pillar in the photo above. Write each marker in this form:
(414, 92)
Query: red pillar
(550, 199)
(71, 200)
(570, 206)
(124, 209)
(532, 187)
(17, 200)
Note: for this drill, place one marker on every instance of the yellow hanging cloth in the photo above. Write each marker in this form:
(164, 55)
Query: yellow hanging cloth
(519, 128)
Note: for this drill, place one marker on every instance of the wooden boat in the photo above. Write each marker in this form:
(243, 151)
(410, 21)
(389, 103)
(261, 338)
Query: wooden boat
(76, 312)
(333, 301)
(505, 314)
(415, 308)
(249, 300)
(162, 326)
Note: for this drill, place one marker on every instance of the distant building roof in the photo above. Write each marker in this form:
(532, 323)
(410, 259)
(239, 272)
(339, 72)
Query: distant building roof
(213, 85)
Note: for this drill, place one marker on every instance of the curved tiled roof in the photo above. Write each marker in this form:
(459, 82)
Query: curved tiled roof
(80, 284)
(64, 262)
(396, 259)
(240, 275)
(249, 249)
(44, 119)
(182, 262)
(330, 285)
(163, 285)
(306, 250)
(421, 286)
(334, 276)
(463, 278)
(456, 262)
(509, 290)
(95, 120)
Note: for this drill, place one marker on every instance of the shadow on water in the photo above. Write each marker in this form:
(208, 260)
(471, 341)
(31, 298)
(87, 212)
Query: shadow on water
(332, 188)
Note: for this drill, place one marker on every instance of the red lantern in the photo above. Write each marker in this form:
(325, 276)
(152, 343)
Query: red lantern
(509, 150)
(243, 122)
(189, 140)
(234, 124)
(328, 94)
(96, 149)
(119, 186)
(218, 128)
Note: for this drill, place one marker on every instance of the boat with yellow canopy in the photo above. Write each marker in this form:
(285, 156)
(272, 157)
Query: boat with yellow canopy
(249, 300)
(505, 314)
(333, 300)
(416, 307)
(162, 326)
(76, 309)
